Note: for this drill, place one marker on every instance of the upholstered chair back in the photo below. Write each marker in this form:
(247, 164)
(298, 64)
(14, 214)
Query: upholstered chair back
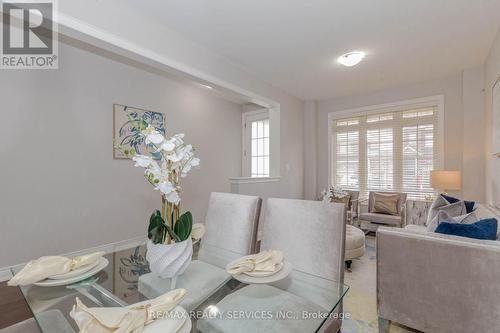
(231, 224)
(354, 200)
(311, 235)
(354, 194)
(401, 200)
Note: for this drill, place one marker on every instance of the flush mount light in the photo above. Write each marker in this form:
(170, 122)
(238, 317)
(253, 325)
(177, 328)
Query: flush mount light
(207, 86)
(352, 58)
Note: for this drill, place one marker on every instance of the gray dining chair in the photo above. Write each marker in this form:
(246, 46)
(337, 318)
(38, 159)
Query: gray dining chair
(231, 225)
(311, 235)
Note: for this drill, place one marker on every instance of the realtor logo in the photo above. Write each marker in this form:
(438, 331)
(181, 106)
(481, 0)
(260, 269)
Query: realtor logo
(29, 35)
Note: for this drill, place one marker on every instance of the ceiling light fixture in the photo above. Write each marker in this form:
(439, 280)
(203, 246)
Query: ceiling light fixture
(207, 86)
(351, 59)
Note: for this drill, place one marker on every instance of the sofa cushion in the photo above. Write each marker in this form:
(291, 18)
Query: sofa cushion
(440, 204)
(381, 218)
(469, 205)
(485, 212)
(444, 216)
(484, 229)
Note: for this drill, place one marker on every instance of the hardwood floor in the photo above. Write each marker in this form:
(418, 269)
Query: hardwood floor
(13, 307)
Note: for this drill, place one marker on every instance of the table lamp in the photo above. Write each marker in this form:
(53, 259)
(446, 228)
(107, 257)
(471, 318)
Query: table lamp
(443, 180)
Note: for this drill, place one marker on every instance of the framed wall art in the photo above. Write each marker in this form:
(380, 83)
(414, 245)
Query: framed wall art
(126, 134)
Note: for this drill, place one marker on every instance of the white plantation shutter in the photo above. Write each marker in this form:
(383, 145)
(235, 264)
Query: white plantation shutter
(379, 159)
(347, 163)
(387, 151)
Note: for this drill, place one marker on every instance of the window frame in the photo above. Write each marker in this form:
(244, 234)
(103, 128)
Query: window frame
(247, 119)
(431, 101)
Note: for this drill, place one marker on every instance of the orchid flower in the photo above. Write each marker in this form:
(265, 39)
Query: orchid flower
(168, 159)
(173, 197)
(168, 145)
(153, 136)
(142, 161)
(165, 187)
(193, 162)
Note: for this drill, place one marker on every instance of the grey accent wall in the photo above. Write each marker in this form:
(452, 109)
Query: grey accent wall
(61, 190)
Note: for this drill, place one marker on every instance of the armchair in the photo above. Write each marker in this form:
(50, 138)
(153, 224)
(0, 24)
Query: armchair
(372, 219)
(353, 212)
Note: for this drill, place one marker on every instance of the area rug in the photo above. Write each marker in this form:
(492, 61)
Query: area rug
(360, 303)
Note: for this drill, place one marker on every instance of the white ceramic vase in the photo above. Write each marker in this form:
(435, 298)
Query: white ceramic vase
(169, 260)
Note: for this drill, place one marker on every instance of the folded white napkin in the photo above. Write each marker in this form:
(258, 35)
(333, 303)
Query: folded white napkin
(265, 261)
(131, 319)
(44, 267)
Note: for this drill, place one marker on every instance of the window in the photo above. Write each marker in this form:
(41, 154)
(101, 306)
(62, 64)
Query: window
(347, 163)
(386, 151)
(257, 147)
(379, 158)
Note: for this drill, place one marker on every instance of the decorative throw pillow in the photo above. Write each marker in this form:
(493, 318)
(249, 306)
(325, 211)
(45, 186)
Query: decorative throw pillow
(484, 229)
(444, 216)
(346, 200)
(469, 205)
(385, 203)
(439, 204)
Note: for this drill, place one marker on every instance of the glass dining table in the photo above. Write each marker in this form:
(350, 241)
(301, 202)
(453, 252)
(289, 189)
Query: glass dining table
(119, 285)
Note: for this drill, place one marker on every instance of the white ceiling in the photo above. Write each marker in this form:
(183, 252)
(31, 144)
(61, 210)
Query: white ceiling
(293, 44)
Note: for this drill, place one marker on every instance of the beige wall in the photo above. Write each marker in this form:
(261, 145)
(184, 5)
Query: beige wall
(60, 188)
(492, 73)
(457, 145)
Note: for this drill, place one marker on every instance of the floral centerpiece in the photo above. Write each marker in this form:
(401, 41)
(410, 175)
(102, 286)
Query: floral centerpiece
(332, 193)
(166, 161)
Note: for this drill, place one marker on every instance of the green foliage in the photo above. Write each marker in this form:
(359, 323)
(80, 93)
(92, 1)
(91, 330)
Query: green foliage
(184, 225)
(158, 229)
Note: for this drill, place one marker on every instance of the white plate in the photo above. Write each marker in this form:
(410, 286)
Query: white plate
(264, 274)
(103, 262)
(280, 275)
(182, 324)
(74, 273)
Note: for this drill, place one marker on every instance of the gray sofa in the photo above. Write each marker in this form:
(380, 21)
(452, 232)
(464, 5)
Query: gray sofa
(438, 283)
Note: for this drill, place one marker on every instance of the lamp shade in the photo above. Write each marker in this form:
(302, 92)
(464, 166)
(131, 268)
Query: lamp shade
(446, 180)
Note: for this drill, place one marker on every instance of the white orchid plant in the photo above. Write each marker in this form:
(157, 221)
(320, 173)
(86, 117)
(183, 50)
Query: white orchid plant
(333, 192)
(165, 162)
